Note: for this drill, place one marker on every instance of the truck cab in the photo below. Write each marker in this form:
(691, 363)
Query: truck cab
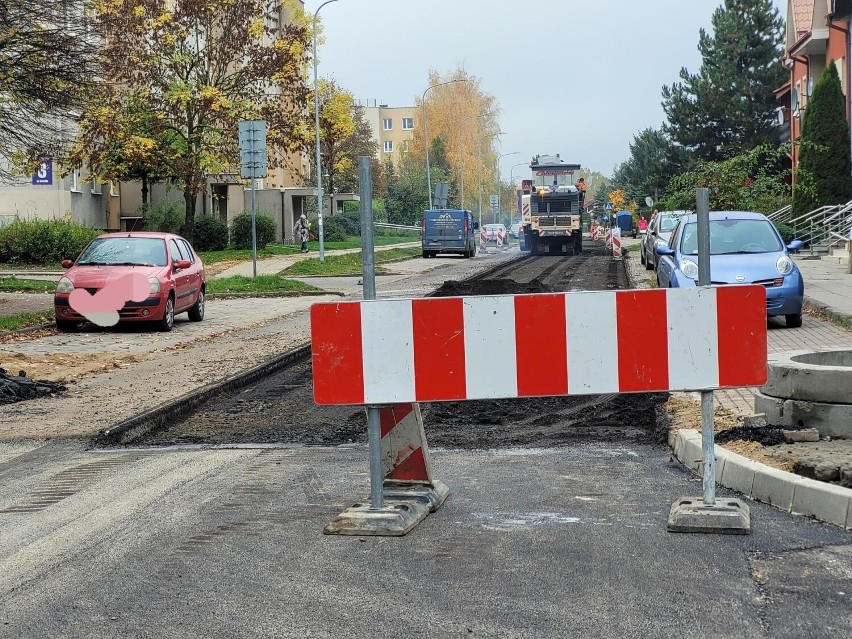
(448, 231)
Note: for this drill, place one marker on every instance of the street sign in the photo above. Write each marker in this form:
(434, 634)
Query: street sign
(44, 174)
(495, 204)
(252, 149)
(608, 206)
(442, 190)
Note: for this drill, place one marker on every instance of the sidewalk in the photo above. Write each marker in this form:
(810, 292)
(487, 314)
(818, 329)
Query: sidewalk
(828, 288)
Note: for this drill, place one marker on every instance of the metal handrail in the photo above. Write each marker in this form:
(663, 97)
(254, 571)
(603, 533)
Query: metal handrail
(781, 214)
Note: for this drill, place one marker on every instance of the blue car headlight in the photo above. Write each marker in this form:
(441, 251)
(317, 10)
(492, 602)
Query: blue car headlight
(784, 265)
(690, 269)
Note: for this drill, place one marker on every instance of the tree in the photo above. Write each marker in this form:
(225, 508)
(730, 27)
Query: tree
(345, 135)
(753, 181)
(728, 107)
(654, 160)
(133, 143)
(406, 197)
(464, 117)
(201, 67)
(824, 174)
(48, 67)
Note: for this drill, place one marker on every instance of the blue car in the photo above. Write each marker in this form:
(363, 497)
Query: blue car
(745, 248)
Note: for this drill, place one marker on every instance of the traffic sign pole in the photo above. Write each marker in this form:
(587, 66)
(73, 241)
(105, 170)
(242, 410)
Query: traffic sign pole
(252, 135)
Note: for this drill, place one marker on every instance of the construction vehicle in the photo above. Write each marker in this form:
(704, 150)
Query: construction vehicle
(549, 208)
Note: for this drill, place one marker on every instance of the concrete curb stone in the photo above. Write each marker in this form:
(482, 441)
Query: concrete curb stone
(831, 313)
(778, 488)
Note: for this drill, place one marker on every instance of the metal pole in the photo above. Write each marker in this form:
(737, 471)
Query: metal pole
(702, 210)
(374, 431)
(253, 173)
(316, 126)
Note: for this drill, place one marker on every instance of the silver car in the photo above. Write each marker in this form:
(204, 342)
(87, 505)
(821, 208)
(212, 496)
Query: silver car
(658, 234)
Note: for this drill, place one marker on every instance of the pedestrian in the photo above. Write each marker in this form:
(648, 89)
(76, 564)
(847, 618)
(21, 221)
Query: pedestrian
(643, 224)
(301, 232)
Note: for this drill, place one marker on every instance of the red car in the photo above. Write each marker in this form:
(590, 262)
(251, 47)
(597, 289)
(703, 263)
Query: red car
(174, 271)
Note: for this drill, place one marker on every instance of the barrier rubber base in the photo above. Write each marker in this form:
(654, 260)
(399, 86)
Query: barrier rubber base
(405, 506)
(725, 517)
(433, 496)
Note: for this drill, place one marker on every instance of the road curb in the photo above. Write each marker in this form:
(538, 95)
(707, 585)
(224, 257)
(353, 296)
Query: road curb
(133, 428)
(787, 491)
(830, 312)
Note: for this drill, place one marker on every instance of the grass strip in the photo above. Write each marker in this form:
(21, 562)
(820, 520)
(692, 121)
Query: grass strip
(14, 322)
(17, 285)
(259, 284)
(275, 250)
(349, 264)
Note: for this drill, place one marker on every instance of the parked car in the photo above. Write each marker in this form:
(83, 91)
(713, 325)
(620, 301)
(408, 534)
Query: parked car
(174, 271)
(659, 231)
(745, 248)
(514, 229)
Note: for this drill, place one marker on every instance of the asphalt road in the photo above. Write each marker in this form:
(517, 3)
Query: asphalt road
(567, 542)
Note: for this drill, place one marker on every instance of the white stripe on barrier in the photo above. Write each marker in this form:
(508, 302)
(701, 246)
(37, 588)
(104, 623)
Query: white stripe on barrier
(693, 340)
(387, 337)
(489, 346)
(592, 343)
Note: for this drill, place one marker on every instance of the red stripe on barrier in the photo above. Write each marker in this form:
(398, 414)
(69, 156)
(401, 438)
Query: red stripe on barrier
(412, 468)
(642, 340)
(439, 364)
(541, 371)
(336, 353)
(742, 335)
(390, 416)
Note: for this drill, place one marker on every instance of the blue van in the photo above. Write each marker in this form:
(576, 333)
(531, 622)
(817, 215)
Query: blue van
(449, 231)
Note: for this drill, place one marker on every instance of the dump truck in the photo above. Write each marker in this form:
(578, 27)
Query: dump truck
(549, 207)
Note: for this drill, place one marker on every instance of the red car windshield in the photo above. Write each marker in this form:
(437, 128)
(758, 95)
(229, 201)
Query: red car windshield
(124, 251)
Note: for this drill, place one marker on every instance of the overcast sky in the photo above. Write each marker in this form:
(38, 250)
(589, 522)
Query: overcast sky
(574, 77)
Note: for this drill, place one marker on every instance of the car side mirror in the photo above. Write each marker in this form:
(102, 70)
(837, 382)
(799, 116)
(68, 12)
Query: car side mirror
(664, 250)
(795, 245)
(67, 263)
(182, 264)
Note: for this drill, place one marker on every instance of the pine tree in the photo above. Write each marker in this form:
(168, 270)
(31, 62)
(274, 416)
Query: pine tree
(728, 107)
(824, 174)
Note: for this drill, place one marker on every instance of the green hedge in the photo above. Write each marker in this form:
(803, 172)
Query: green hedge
(43, 241)
(334, 230)
(241, 230)
(165, 217)
(210, 234)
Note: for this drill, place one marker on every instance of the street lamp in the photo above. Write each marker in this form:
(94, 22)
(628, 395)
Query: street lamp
(461, 150)
(316, 126)
(425, 133)
(497, 212)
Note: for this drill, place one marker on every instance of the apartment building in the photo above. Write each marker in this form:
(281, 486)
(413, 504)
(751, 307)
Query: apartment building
(817, 35)
(393, 127)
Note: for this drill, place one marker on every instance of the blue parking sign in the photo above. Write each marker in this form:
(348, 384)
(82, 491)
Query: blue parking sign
(44, 172)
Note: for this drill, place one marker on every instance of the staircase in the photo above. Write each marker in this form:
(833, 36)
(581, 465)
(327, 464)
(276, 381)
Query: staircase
(825, 231)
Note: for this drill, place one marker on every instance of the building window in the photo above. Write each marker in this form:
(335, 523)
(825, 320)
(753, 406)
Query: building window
(388, 146)
(96, 187)
(75, 181)
(387, 123)
(407, 124)
(403, 146)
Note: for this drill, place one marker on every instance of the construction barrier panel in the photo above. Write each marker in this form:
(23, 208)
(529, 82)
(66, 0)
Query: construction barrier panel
(405, 456)
(483, 239)
(458, 348)
(616, 242)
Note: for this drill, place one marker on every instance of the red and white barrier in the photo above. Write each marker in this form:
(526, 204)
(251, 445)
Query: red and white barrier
(616, 242)
(434, 349)
(608, 239)
(501, 235)
(483, 239)
(405, 456)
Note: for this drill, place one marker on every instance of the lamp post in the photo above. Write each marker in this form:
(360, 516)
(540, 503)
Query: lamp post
(425, 130)
(316, 126)
(503, 155)
(461, 150)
